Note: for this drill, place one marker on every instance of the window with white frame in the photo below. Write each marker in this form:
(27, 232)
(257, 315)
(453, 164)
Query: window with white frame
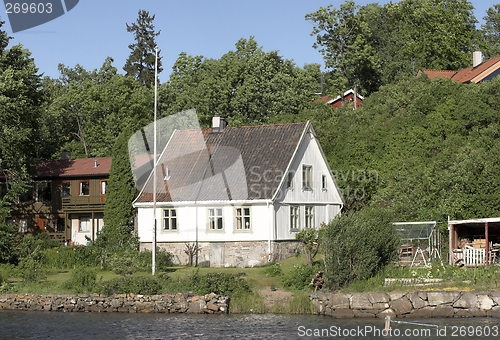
(215, 219)
(323, 183)
(309, 215)
(170, 219)
(289, 180)
(84, 225)
(104, 187)
(307, 177)
(242, 218)
(23, 226)
(84, 188)
(294, 217)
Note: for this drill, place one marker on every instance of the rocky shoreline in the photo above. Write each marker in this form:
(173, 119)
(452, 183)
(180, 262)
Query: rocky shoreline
(419, 304)
(122, 303)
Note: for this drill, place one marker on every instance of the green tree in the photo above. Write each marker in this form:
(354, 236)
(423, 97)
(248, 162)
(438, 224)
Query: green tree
(141, 61)
(91, 109)
(247, 85)
(344, 38)
(434, 34)
(117, 232)
(373, 45)
(20, 99)
(491, 32)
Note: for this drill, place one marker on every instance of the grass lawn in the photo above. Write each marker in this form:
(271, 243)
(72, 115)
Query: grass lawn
(269, 292)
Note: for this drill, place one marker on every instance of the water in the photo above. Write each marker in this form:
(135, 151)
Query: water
(59, 325)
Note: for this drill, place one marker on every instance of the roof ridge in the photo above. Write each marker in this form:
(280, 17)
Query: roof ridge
(249, 126)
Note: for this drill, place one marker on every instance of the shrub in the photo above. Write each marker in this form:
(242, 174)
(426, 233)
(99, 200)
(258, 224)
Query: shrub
(274, 270)
(163, 260)
(123, 263)
(70, 257)
(300, 276)
(83, 280)
(137, 285)
(33, 247)
(356, 246)
(308, 237)
(218, 283)
(31, 271)
(131, 261)
(8, 242)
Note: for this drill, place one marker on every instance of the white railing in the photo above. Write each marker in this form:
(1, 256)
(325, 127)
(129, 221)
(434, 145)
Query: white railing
(471, 256)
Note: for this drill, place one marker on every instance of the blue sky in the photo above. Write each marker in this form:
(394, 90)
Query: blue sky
(94, 30)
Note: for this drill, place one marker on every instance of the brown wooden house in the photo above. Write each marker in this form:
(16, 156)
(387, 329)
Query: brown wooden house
(66, 199)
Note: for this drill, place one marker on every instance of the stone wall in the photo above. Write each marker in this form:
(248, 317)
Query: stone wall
(230, 254)
(124, 303)
(424, 304)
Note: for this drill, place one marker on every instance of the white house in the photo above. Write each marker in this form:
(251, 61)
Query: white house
(240, 194)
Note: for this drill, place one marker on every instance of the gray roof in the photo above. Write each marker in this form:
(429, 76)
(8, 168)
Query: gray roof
(240, 163)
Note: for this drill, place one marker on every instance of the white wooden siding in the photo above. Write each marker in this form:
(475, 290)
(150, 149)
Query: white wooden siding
(322, 214)
(309, 154)
(194, 220)
(79, 238)
(327, 203)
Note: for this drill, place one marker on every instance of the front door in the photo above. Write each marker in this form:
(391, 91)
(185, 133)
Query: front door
(217, 254)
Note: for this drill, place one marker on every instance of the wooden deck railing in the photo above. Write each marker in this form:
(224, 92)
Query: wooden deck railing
(83, 201)
(61, 236)
(471, 257)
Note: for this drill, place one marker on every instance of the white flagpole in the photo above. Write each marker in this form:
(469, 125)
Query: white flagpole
(153, 250)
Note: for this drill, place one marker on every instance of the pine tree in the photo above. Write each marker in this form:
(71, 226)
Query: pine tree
(118, 212)
(141, 61)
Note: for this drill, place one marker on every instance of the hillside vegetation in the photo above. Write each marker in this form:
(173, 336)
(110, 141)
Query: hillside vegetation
(418, 149)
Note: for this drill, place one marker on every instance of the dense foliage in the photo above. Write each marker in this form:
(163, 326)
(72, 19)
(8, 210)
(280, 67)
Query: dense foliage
(355, 246)
(373, 45)
(119, 213)
(419, 149)
(416, 150)
(91, 109)
(248, 85)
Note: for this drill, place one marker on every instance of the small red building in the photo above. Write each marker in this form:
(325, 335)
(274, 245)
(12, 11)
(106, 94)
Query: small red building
(348, 98)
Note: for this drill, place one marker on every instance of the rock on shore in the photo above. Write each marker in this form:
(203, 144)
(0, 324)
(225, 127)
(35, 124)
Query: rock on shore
(125, 303)
(423, 304)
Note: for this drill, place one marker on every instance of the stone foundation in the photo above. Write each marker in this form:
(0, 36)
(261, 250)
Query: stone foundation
(230, 254)
(425, 304)
(124, 303)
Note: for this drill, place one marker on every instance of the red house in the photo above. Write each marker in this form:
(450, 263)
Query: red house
(348, 98)
(477, 73)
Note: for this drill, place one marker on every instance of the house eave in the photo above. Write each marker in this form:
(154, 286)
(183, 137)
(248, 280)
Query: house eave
(202, 203)
(475, 220)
